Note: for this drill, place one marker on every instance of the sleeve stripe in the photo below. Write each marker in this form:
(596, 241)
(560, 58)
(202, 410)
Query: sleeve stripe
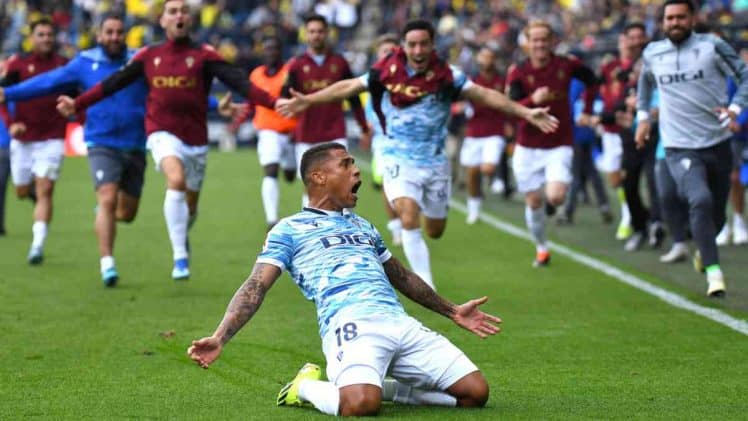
(385, 256)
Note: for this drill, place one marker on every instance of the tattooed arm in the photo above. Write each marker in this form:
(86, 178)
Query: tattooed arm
(243, 306)
(467, 315)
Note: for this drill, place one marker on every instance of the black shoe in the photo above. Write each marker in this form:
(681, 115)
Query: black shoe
(550, 210)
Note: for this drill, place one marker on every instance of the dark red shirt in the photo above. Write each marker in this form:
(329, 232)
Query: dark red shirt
(325, 122)
(486, 121)
(178, 75)
(523, 79)
(614, 86)
(40, 115)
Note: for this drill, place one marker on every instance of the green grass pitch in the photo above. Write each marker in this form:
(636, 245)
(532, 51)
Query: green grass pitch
(575, 345)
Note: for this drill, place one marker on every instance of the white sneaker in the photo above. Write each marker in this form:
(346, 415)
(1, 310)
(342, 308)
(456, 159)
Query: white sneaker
(634, 242)
(715, 284)
(472, 218)
(677, 253)
(723, 238)
(497, 186)
(739, 232)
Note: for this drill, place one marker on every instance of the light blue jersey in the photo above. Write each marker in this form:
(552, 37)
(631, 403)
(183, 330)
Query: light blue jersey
(336, 260)
(416, 134)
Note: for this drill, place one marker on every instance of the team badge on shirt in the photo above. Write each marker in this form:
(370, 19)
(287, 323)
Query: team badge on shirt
(31, 68)
(333, 68)
(393, 68)
(561, 74)
(190, 61)
(429, 75)
(157, 61)
(305, 68)
(531, 79)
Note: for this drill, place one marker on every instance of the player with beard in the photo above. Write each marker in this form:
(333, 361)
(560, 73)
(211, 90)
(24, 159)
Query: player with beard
(316, 69)
(179, 74)
(413, 90)
(542, 163)
(690, 72)
(484, 140)
(37, 132)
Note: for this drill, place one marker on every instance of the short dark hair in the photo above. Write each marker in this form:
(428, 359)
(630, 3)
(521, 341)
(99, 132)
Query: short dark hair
(634, 25)
(111, 16)
(688, 3)
(43, 21)
(315, 18)
(314, 156)
(418, 25)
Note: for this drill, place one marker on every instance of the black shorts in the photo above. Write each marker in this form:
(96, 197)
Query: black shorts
(125, 168)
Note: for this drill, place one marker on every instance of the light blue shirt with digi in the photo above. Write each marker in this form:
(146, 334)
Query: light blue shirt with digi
(336, 260)
(416, 134)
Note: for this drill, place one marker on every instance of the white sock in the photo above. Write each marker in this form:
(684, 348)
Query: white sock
(177, 216)
(417, 253)
(325, 396)
(39, 230)
(304, 200)
(738, 222)
(535, 220)
(395, 226)
(106, 262)
(394, 391)
(473, 206)
(270, 196)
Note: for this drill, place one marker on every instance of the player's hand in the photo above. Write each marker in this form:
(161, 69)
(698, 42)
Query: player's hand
(204, 351)
(469, 317)
(544, 121)
(229, 109)
(725, 116)
(289, 107)
(540, 95)
(16, 129)
(642, 134)
(65, 105)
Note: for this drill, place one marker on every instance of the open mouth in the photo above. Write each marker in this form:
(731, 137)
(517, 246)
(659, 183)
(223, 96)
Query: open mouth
(180, 25)
(355, 188)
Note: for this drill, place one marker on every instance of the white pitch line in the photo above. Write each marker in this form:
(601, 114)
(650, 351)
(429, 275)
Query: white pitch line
(671, 298)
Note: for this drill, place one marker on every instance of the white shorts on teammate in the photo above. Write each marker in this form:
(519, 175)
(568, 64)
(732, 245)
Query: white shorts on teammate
(193, 158)
(41, 159)
(481, 150)
(275, 148)
(534, 167)
(612, 155)
(430, 187)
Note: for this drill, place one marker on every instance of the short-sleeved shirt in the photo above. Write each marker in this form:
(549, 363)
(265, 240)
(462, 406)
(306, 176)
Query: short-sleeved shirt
(336, 261)
(416, 133)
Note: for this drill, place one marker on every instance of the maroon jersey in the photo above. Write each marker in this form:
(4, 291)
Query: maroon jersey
(523, 79)
(324, 122)
(40, 115)
(178, 75)
(614, 87)
(486, 121)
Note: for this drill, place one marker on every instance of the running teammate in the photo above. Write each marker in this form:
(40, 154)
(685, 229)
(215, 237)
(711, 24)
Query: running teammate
(413, 90)
(541, 160)
(484, 140)
(37, 131)
(316, 69)
(178, 74)
(696, 138)
(339, 261)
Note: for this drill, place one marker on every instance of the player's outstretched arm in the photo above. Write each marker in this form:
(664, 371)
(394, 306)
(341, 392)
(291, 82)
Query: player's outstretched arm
(243, 306)
(495, 99)
(467, 315)
(338, 91)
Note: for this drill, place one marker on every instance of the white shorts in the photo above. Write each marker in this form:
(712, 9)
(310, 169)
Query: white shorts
(430, 187)
(533, 167)
(364, 351)
(194, 158)
(275, 148)
(612, 155)
(300, 148)
(481, 150)
(35, 159)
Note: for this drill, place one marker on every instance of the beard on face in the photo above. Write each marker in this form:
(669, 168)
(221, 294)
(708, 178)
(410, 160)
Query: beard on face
(682, 35)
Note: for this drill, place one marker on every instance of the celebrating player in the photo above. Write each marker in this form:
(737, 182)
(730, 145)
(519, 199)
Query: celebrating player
(339, 261)
(413, 90)
(179, 75)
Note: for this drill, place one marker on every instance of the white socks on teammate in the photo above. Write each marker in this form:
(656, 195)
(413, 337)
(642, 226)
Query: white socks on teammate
(325, 396)
(535, 220)
(394, 391)
(270, 197)
(177, 216)
(417, 253)
(106, 263)
(39, 231)
(396, 231)
(473, 208)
